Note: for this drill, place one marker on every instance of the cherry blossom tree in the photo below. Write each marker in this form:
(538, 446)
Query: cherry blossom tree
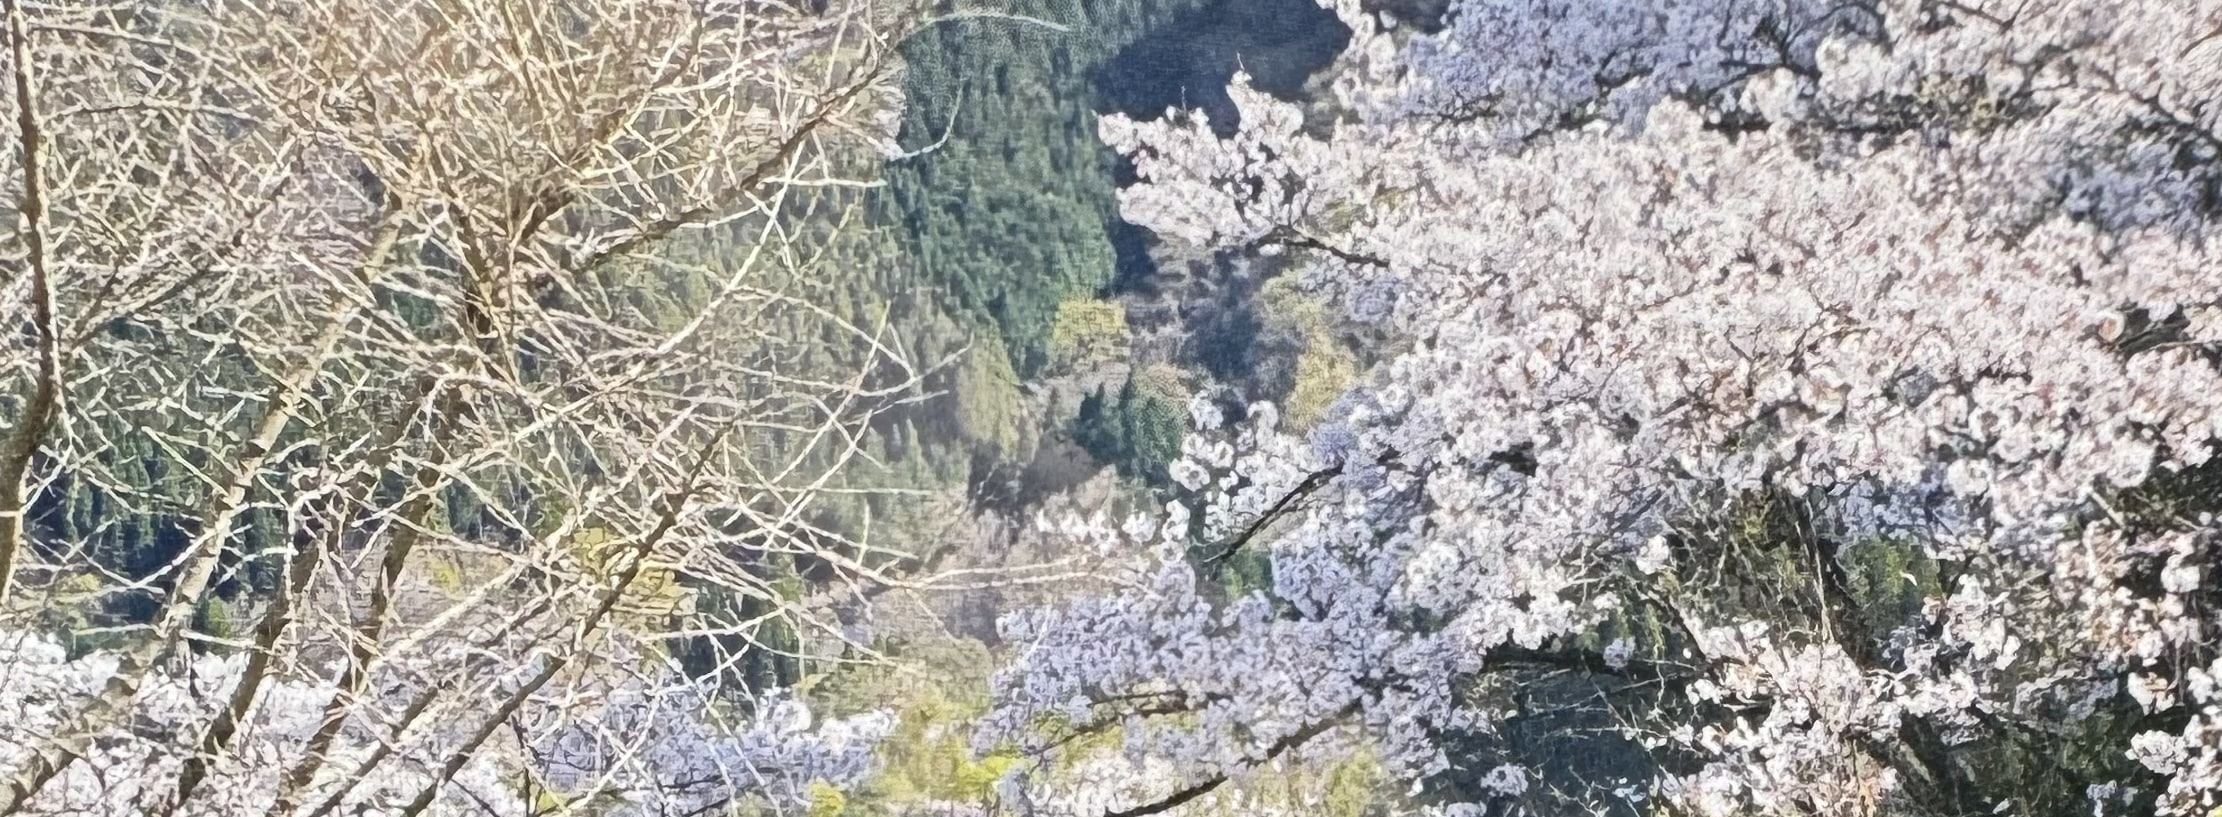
(1832, 387)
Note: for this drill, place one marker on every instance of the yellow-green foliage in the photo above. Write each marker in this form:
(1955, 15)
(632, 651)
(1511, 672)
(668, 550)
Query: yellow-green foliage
(989, 410)
(445, 574)
(929, 756)
(593, 548)
(826, 801)
(548, 800)
(1354, 786)
(975, 780)
(938, 689)
(1164, 382)
(653, 595)
(1286, 305)
(1087, 329)
(1323, 372)
(1324, 369)
(215, 619)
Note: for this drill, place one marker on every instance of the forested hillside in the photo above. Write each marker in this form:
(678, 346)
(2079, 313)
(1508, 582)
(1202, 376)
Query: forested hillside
(1007, 203)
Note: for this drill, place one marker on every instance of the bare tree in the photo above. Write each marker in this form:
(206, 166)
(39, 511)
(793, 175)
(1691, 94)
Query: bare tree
(363, 314)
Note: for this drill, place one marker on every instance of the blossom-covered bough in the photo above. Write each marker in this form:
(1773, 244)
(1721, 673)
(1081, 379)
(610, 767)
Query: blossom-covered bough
(1830, 389)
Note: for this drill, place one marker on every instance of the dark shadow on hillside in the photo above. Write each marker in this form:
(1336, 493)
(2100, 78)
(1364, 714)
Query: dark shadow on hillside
(1186, 64)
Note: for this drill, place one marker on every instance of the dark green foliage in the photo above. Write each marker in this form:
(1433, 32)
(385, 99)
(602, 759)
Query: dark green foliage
(132, 513)
(1138, 431)
(1096, 429)
(757, 653)
(1154, 425)
(1225, 341)
(215, 619)
(1009, 214)
(1777, 558)
(1057, 465)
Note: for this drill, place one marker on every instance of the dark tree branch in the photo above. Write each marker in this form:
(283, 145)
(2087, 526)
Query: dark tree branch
(40, 406)
(1291, 237)
(1207, 785)
(1310, 485)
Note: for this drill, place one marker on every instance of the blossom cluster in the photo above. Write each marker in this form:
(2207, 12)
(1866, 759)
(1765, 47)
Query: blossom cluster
(640, 744)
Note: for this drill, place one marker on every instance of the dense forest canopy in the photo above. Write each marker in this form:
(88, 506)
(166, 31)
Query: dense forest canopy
(1005, 195)
(1007, 202)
